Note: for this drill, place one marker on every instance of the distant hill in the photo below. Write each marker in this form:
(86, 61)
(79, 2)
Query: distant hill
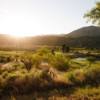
(86, 31)
(87, 37)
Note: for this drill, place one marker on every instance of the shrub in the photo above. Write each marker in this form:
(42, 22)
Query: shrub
(60, 62)
(71, 77)
(4, 74)
(2, 81)
(42, 56)
(37, 59)
(12, 66)
(77, 77)
(43, 51)
(93, 75)
(91, 60)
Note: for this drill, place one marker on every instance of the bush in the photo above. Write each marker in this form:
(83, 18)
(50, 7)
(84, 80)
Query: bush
(60, 62)
(4, 59)
(43, 51)
(85, 76)
(77, 77)
(2, 81)
(93, 75)
(91, 60)
(12, 66)
(42, 55)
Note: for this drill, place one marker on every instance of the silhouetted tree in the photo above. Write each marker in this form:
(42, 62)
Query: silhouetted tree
(65, 48)
(53, 51)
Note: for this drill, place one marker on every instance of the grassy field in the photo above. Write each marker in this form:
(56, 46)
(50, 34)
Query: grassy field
(44, 75)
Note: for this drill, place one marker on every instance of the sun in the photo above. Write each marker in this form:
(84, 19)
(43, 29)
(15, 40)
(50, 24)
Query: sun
(20, 35)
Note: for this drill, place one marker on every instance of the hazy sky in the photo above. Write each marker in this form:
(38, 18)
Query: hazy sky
(37, 17)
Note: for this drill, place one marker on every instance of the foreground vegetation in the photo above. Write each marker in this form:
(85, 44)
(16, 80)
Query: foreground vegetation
(60, 75)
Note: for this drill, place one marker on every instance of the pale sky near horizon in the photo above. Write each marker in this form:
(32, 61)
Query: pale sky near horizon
(38, 17)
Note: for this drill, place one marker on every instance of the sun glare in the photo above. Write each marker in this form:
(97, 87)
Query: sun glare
(18, 35)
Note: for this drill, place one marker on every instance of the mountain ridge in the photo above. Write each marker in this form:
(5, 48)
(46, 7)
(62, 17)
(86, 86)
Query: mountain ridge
(85, 37)
(85, 31)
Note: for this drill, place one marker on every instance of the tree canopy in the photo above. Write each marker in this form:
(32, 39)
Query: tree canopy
(94, 14)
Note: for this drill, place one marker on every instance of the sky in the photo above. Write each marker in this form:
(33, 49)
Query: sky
(42, 17)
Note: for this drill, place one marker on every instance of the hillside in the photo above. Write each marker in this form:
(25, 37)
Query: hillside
(88, 37)
(86, 31)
